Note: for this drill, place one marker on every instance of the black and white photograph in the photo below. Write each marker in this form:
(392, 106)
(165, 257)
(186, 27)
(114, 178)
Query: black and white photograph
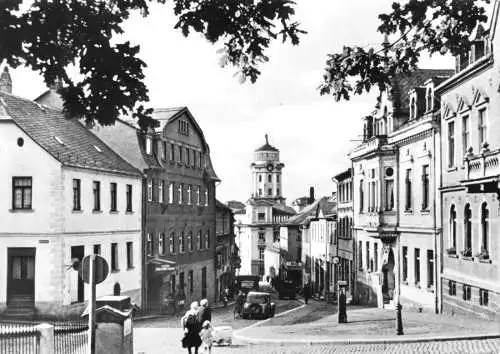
(249, 176)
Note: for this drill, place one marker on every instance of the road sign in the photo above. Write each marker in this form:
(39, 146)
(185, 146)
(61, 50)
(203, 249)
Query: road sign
(336, 260)
(101, 269)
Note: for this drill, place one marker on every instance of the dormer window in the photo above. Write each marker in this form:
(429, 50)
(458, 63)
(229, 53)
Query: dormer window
(183, 127)
(429, 99)
(149, 144)
(413, 108)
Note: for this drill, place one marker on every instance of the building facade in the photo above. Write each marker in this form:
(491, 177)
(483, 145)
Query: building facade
(345, 246)
(258, 228)
(470, 184)
(179, 203)
(66, 195)
(396, 222)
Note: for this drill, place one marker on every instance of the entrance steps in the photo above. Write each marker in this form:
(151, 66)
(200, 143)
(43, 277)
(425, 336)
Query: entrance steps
(20, 307)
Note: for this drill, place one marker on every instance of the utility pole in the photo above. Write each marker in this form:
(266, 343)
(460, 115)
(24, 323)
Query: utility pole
(92, 320)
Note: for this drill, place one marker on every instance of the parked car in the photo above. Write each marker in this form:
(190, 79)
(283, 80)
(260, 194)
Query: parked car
(286, 289)
(258, 306)
(246, 283)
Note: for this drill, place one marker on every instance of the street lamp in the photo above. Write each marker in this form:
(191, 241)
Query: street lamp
(399, 319)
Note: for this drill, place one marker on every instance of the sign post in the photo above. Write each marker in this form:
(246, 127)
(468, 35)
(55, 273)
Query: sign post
(91, 343)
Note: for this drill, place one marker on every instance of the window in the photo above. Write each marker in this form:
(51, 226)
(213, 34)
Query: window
(194, 158)
(180, 192)
(430, 269)
(375, 256)
(149, 246)
(451, 144)
(198, 195)
(261, 216)
(425, 187)
(189, 194)
(200, 241)
(206, 196)
(269, 191)
(182, 245)
(203, 282)
(465, 135)
(191, 281)
(452, 288)
(484, 228)
(429, 99)
(408, 191)
(278, 178)
(172, 243)
(150, 190)
(181, 281)
(269, 178)
(149, 143)
(190, 241)
(260, 191)
(413, 108)
(405, 264)
(114, 257)
(277, 191)
(129, 198)
(162, 247)
(164, 146)
(466, 292)
(389, 194)
(76, 195)
(180, 156)
(367, 255)
(360, 255)
(96, 190)
(467, 231)
(483, 297)
(453, 228)
(188, 157)
(260, 178)
(171, 192)
(262, 237)
(482, 127)
(199, 159)
(207, 240)
(172, 284)
(183, 127)
(261, 253)
(130, 255)
(361, 196)
(417, 266)
(112, 189)
(97, 249)
(172, 152)
(161, 188)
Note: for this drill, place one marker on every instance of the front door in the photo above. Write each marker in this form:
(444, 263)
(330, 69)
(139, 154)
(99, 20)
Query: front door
(21, 274)
(77, 284)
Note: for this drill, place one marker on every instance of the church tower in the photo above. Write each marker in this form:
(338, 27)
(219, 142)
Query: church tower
(266, 174)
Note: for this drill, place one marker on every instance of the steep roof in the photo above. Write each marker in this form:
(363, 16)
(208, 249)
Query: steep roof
(282, 208)
(325, 204)
(66, 139)
(343, 175)
(401, 85)
(267, 147)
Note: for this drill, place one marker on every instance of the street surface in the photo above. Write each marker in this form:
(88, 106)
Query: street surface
(316, 319)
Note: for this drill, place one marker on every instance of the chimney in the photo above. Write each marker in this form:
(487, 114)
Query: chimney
(5, 81)
(311, 195)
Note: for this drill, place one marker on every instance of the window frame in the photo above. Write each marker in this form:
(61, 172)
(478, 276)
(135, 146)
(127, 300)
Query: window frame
(113, 193)
(130, 255)
(77, 194)
(129, 195)
(426, 187)
(96, 193)
(114, 261)
(451, 144)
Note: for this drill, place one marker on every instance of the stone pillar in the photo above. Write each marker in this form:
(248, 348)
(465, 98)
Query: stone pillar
(46, 339)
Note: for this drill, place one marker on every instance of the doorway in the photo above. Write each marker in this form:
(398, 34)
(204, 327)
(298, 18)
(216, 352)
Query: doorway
(77, 285)
(388, 277)
(21, 276)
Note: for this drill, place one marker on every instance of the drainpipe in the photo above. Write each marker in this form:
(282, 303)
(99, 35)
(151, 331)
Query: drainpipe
(144, 290)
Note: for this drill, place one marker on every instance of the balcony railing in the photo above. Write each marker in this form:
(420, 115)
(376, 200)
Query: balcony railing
(370, 145)
(483, 165)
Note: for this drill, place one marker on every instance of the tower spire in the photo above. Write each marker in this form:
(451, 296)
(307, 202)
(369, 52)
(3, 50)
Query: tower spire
(267, 141)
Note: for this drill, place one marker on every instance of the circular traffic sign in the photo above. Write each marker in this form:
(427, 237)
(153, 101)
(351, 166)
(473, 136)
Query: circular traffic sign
(101, 269)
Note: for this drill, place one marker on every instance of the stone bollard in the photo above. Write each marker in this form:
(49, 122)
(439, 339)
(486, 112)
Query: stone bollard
(46, 338)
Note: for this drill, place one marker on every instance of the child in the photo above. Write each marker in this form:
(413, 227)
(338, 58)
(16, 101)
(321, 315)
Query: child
(206, 337)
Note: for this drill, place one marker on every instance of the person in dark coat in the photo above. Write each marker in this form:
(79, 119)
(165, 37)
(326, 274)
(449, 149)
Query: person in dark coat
(307, 292)
(192, 328)
(204, 312)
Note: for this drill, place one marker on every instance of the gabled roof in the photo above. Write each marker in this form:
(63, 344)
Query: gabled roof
(67, 140)
(325, 204)
(284, 209)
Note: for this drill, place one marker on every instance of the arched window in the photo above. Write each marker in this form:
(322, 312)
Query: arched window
(453, 228)
(467, 230)
(429, 99)
(485, 214)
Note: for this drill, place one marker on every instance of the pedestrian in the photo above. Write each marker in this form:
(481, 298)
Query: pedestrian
(204, 312)
(192, 328)
(307, 292)
(207, 337)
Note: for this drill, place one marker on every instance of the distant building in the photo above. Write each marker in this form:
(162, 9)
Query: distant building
(65, 195)
(470, 125)
(180, 205)
(345, 246)
(264, 212)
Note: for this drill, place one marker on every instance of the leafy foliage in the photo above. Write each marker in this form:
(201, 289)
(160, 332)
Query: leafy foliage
(52, 36)
(432, 26)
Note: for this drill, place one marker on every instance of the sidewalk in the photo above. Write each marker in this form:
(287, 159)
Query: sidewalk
(316, 323)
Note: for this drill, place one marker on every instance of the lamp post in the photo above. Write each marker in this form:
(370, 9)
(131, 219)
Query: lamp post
(399, 319)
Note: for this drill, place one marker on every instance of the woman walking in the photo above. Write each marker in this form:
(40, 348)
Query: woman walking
(192, 328)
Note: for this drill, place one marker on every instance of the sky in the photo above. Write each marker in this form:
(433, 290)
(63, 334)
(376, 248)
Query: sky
(313, 133)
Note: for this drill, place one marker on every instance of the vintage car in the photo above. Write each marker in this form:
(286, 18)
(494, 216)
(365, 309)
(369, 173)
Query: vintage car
(258, 306)
(245, 283)
(285, 288)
